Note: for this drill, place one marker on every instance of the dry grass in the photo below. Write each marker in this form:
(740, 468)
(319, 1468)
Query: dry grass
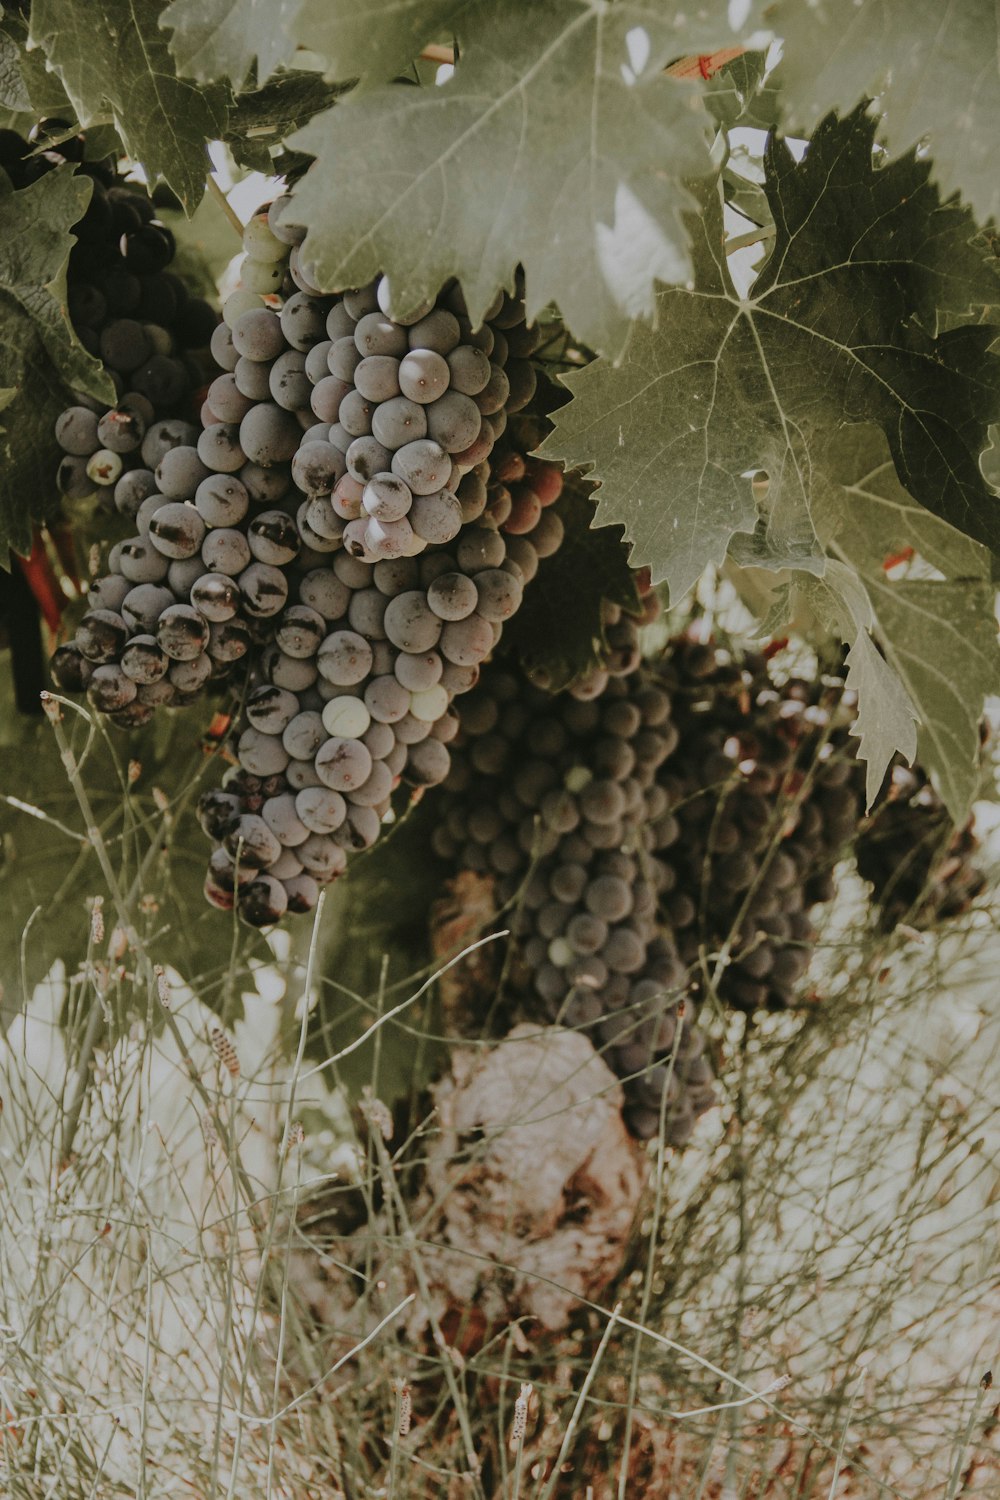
(217, 1273)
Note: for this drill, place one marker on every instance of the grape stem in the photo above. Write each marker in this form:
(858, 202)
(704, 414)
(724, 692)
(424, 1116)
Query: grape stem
(227, 208)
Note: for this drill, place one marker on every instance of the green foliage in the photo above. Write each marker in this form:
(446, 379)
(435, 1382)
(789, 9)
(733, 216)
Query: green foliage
(39, 353)
(375, 42)
(557, 143)
(267, 116)
(829, 334)
(114, 63)
(230, 38)
(934, 72)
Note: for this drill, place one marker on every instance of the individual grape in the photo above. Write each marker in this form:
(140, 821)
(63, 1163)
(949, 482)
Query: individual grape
(220, 447)
(344, 658)
(224, 352)
(141, 562)
(143, 606)
(109, 690)
(289, 384)
(346, 718)
(268, 435)
(177, 530)
(101, 635)
(104, 467)
(366, 613)
(373, 791)
(121, 430)
(499, 594)
(251, 843)
(410, 623)
(386, 497)
(397, 422)
(163, 436)
(343, 764)
(226, 400)
(272, 538)
(109, 592)
(181, 632)
(281, 817)
(386, 700)
(316, 467)
(252, 379)
(418, 671)
(300, 631)
(422, 376)
(480, 548)
(436, 518)
(468, 641)
(377, 377)
(144, 660)
(469, 370)
(454, 422)
(221, 500)
(258, 335)
(422, 464)
(429, 704)
(124, 345)
(265, 485)
(264, 589)
(317, 364)
(386, 539)
(72, 478)
(354, 413)
(366, 458)
(215, 596)
(132, 489)
(343, 358)
(189, 677)
(395, 576)
(262, 754)
(303, 321)
(323, 591)
(225, 550)
(261, 276)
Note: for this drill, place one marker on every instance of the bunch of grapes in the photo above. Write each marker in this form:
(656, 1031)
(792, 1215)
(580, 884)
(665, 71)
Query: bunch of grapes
(921, 867)
(390, 575)
(768, 795)
(556, 798)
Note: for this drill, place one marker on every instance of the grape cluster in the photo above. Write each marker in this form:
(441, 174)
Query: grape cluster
(557, 799)
(768, 795)
(391, 577)
(921, 867)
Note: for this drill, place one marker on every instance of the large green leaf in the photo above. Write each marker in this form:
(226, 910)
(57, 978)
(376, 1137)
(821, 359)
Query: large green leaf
(935, 69)
(115, 65)
(376, 41)
(938, 632)
(556, 144)
(837, 328)
(227, 38)
(39, 353)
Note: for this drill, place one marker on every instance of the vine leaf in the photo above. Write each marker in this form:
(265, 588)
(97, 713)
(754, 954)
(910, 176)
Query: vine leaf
(263, 117)
(936, 624)
(376, 41)
(227, 38)
(39, 353)
(838, 328)
(934, 69)
(114, 63)
(558, 629)
(13, 92)
(556, 144)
